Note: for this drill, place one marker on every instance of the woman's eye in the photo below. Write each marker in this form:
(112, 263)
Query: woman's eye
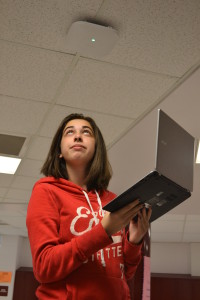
(69, 132)
(87, 132)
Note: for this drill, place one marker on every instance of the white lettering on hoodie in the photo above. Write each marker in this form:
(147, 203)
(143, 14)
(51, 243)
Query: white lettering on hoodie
(93, 218)
(83, 212)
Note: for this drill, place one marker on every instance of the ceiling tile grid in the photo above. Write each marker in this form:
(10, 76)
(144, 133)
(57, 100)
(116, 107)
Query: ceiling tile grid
(171, 217)
(39, 148)
(167, 226)
(111, 126)
(43, 23)
(192, 226)
(167, 237)
(118, 91)
(10, 230)
(29, 167)
(15, 221)
(31, 73)
(19, 116)
(191, 237)
(183, 111)
(5, 180)
(10, 210)
(23, 182)
(3, 191)
(160, 36)
(18, 195)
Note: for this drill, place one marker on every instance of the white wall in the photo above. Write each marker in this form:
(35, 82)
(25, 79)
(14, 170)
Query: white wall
(170, 258)
(24, 256)
(8, 260)
(175, 258)
(195, 259)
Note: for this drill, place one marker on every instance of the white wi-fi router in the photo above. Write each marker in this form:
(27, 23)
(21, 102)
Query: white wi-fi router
(91, 40)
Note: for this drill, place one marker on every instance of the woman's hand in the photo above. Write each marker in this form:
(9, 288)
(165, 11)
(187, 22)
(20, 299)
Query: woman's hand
(138, 229)
(115, 221)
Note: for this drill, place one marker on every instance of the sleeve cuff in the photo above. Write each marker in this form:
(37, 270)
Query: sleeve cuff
(92, 241)
(132, 251)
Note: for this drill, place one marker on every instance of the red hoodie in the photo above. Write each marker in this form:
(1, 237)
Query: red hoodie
(73, 257)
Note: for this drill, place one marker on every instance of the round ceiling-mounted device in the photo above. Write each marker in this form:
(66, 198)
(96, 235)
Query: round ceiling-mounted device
(91, 40)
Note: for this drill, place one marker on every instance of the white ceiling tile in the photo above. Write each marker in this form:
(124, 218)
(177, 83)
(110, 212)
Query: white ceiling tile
(10, 210)
(170, 217)
(111, 126)
(18, 194)
(39, 148)
(191, 237)
(20, 116)
(168, 237)
(16, 221)
(193, 217)
(24, 182)
(9, 213)
(31, 73)
(192, 226)
(188, 206)
(43, 23)
(167, 226)
(5, 180)
(10, 230)
(3, 191)
(161, 36)
(29, 167)
(187, 116)
(114, 90)
(53, 120)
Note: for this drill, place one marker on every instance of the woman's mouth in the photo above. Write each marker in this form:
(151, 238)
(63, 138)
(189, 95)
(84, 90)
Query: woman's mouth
(78, 146)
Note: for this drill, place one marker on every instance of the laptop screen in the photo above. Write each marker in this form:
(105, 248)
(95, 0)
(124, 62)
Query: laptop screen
(175, 152)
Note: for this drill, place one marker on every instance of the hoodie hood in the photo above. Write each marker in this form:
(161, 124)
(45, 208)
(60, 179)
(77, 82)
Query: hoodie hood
(61, 183)
(72, 188)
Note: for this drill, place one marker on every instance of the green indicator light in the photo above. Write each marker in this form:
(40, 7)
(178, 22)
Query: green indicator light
(93, 40)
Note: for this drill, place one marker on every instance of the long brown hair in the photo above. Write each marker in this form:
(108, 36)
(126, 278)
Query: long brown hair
(99, 170)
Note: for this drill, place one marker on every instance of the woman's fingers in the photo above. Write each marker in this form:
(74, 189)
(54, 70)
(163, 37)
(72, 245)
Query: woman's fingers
(129, 209)
(127, 213)
(149, 213)
(113, 222)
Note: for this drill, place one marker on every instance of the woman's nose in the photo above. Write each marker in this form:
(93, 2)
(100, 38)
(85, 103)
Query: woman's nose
(77, 136)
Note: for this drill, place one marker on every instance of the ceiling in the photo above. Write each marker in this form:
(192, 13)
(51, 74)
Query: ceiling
(154, 64)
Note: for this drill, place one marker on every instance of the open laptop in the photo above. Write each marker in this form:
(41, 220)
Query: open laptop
(172, 180)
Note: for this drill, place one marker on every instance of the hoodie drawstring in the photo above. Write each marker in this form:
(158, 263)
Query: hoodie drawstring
(96, 220)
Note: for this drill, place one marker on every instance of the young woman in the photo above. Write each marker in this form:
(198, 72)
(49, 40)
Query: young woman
(79, 251)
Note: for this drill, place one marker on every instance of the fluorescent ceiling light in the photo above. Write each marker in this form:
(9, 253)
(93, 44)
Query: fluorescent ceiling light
(9, 165)
(198, 154)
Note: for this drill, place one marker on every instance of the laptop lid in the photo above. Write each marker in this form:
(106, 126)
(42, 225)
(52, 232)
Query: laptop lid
(175, 152)
(172, 181)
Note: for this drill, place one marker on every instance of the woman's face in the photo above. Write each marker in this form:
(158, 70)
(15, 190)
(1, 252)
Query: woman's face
(77, 143)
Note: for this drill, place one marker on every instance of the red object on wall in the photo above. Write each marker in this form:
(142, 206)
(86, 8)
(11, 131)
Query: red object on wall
(25, 284)
(175, 287)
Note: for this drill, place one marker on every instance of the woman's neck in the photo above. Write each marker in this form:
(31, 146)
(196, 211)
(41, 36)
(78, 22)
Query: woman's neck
(77, 176)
